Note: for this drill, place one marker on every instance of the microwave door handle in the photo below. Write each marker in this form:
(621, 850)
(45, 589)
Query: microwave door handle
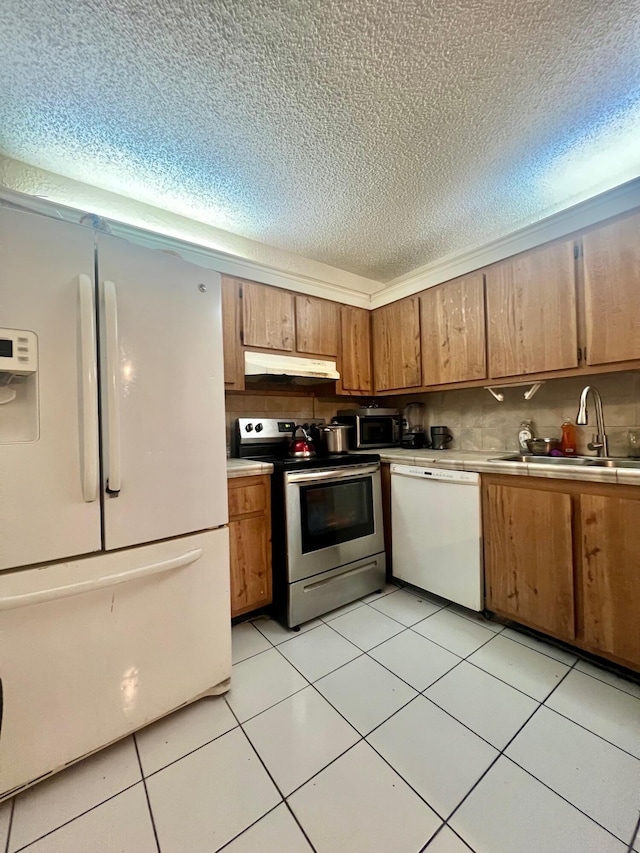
(113, 479)
(89, 391)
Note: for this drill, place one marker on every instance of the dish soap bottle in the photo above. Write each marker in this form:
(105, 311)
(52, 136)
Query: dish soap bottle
(569, 438)
(525, 433)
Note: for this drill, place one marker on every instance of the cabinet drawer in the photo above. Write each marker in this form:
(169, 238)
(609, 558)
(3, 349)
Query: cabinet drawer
(246, 499)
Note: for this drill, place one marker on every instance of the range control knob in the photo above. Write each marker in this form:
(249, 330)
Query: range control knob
(249, 428)
(258, 427)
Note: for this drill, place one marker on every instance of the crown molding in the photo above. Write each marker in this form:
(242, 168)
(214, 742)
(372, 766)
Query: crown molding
(576, 218)
(199, 254)
(619, 200)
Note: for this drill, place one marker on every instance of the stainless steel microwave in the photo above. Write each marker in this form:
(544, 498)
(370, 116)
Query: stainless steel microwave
(371, 427)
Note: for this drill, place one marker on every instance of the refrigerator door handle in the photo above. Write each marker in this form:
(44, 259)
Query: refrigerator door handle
(12, 602)
(89, 391)
(113, 390)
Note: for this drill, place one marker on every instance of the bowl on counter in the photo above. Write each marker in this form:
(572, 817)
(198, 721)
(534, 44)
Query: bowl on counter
(543, 446)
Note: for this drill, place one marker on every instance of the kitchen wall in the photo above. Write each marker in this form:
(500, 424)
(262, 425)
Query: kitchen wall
(295, 407)
(478, 422)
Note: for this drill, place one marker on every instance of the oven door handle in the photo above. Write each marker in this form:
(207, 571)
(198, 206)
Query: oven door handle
(303, 478)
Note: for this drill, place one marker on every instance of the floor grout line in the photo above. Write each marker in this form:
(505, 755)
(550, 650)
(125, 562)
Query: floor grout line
(266, 769)
(591, 732)
(146, 794)
(562, 797)
(634, 836)
(500, 752)
(509, 742)
(75, 817)
(13, 806)
(425, 849)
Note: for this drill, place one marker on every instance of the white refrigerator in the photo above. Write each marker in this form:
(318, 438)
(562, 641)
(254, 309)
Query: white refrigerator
(114, 569)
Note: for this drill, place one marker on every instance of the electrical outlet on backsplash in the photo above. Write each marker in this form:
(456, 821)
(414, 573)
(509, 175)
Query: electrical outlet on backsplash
(478, 422)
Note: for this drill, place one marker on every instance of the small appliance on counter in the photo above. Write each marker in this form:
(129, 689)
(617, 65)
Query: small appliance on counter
(326, 520)
(373, 427)
(413, 432)
(441, 437)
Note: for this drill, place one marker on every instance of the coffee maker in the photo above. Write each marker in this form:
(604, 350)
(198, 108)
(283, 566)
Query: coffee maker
(413, 431)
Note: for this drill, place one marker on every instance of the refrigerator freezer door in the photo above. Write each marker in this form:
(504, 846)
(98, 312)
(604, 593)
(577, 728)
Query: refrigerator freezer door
(162, 395)
(94, 649)
(49, 485)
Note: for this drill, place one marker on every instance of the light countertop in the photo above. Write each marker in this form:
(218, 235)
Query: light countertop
(480, 461)
(484, 462)
(247, 468)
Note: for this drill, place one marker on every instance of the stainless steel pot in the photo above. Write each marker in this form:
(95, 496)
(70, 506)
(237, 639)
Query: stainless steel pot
(335, 437)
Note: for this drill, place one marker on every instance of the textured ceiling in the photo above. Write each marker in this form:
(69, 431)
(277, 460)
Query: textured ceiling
(373, 135)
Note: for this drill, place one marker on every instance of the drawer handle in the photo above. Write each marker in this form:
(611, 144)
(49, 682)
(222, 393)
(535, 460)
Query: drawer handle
(312, 586)
(11, 602)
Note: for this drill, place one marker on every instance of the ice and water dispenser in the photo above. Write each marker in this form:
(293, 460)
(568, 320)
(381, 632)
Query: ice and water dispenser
(18, 386)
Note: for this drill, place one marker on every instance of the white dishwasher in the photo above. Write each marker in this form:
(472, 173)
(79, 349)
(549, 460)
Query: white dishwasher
(436, 532)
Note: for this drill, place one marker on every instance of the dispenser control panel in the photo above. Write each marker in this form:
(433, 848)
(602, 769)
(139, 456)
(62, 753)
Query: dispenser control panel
(18, 352)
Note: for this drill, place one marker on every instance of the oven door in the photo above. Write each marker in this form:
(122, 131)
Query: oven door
(334, 516)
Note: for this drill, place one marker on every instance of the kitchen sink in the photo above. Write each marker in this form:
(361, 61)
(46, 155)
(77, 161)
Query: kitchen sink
(527, 459)
(590, 461)
(617, 463)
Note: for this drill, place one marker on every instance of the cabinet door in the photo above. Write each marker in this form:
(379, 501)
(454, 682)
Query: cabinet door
(531, 307)
(453, 337)
(249, 544)
(609, 561)
(396, 345)
(528, 557)
(267, 317)
(231, 331)
(612, 285)
(317, 326)
(355, 334)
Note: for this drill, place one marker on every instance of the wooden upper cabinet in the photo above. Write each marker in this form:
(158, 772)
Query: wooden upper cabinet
(531, 312)
(453, 331)
(317, 326)
(609, 562)
(267, 317)
(355, 346)
(612, 289)
(396, 346)
(231, 325)
(529, 557)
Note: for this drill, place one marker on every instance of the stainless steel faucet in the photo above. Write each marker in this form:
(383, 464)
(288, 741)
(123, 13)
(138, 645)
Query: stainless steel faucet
(601, 443)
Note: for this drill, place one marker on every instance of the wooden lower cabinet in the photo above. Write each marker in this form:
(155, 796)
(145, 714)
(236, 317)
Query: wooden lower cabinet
(529, 557)
(563, 557)
(610, 575)
(250, 543)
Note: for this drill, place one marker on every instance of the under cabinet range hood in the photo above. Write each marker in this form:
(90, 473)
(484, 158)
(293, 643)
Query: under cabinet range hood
(271, 367)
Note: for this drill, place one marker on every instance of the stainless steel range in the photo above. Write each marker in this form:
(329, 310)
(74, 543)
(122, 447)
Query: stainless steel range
(328, 543)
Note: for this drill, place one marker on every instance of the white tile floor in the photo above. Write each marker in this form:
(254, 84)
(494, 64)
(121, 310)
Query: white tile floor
(395, 725)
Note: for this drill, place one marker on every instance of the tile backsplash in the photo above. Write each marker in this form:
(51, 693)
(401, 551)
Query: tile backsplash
(478, 422)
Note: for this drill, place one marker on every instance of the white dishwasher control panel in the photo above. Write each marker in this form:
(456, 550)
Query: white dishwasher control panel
(443, 474)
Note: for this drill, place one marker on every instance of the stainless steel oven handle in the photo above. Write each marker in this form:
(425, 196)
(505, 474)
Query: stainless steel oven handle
(301, 478)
